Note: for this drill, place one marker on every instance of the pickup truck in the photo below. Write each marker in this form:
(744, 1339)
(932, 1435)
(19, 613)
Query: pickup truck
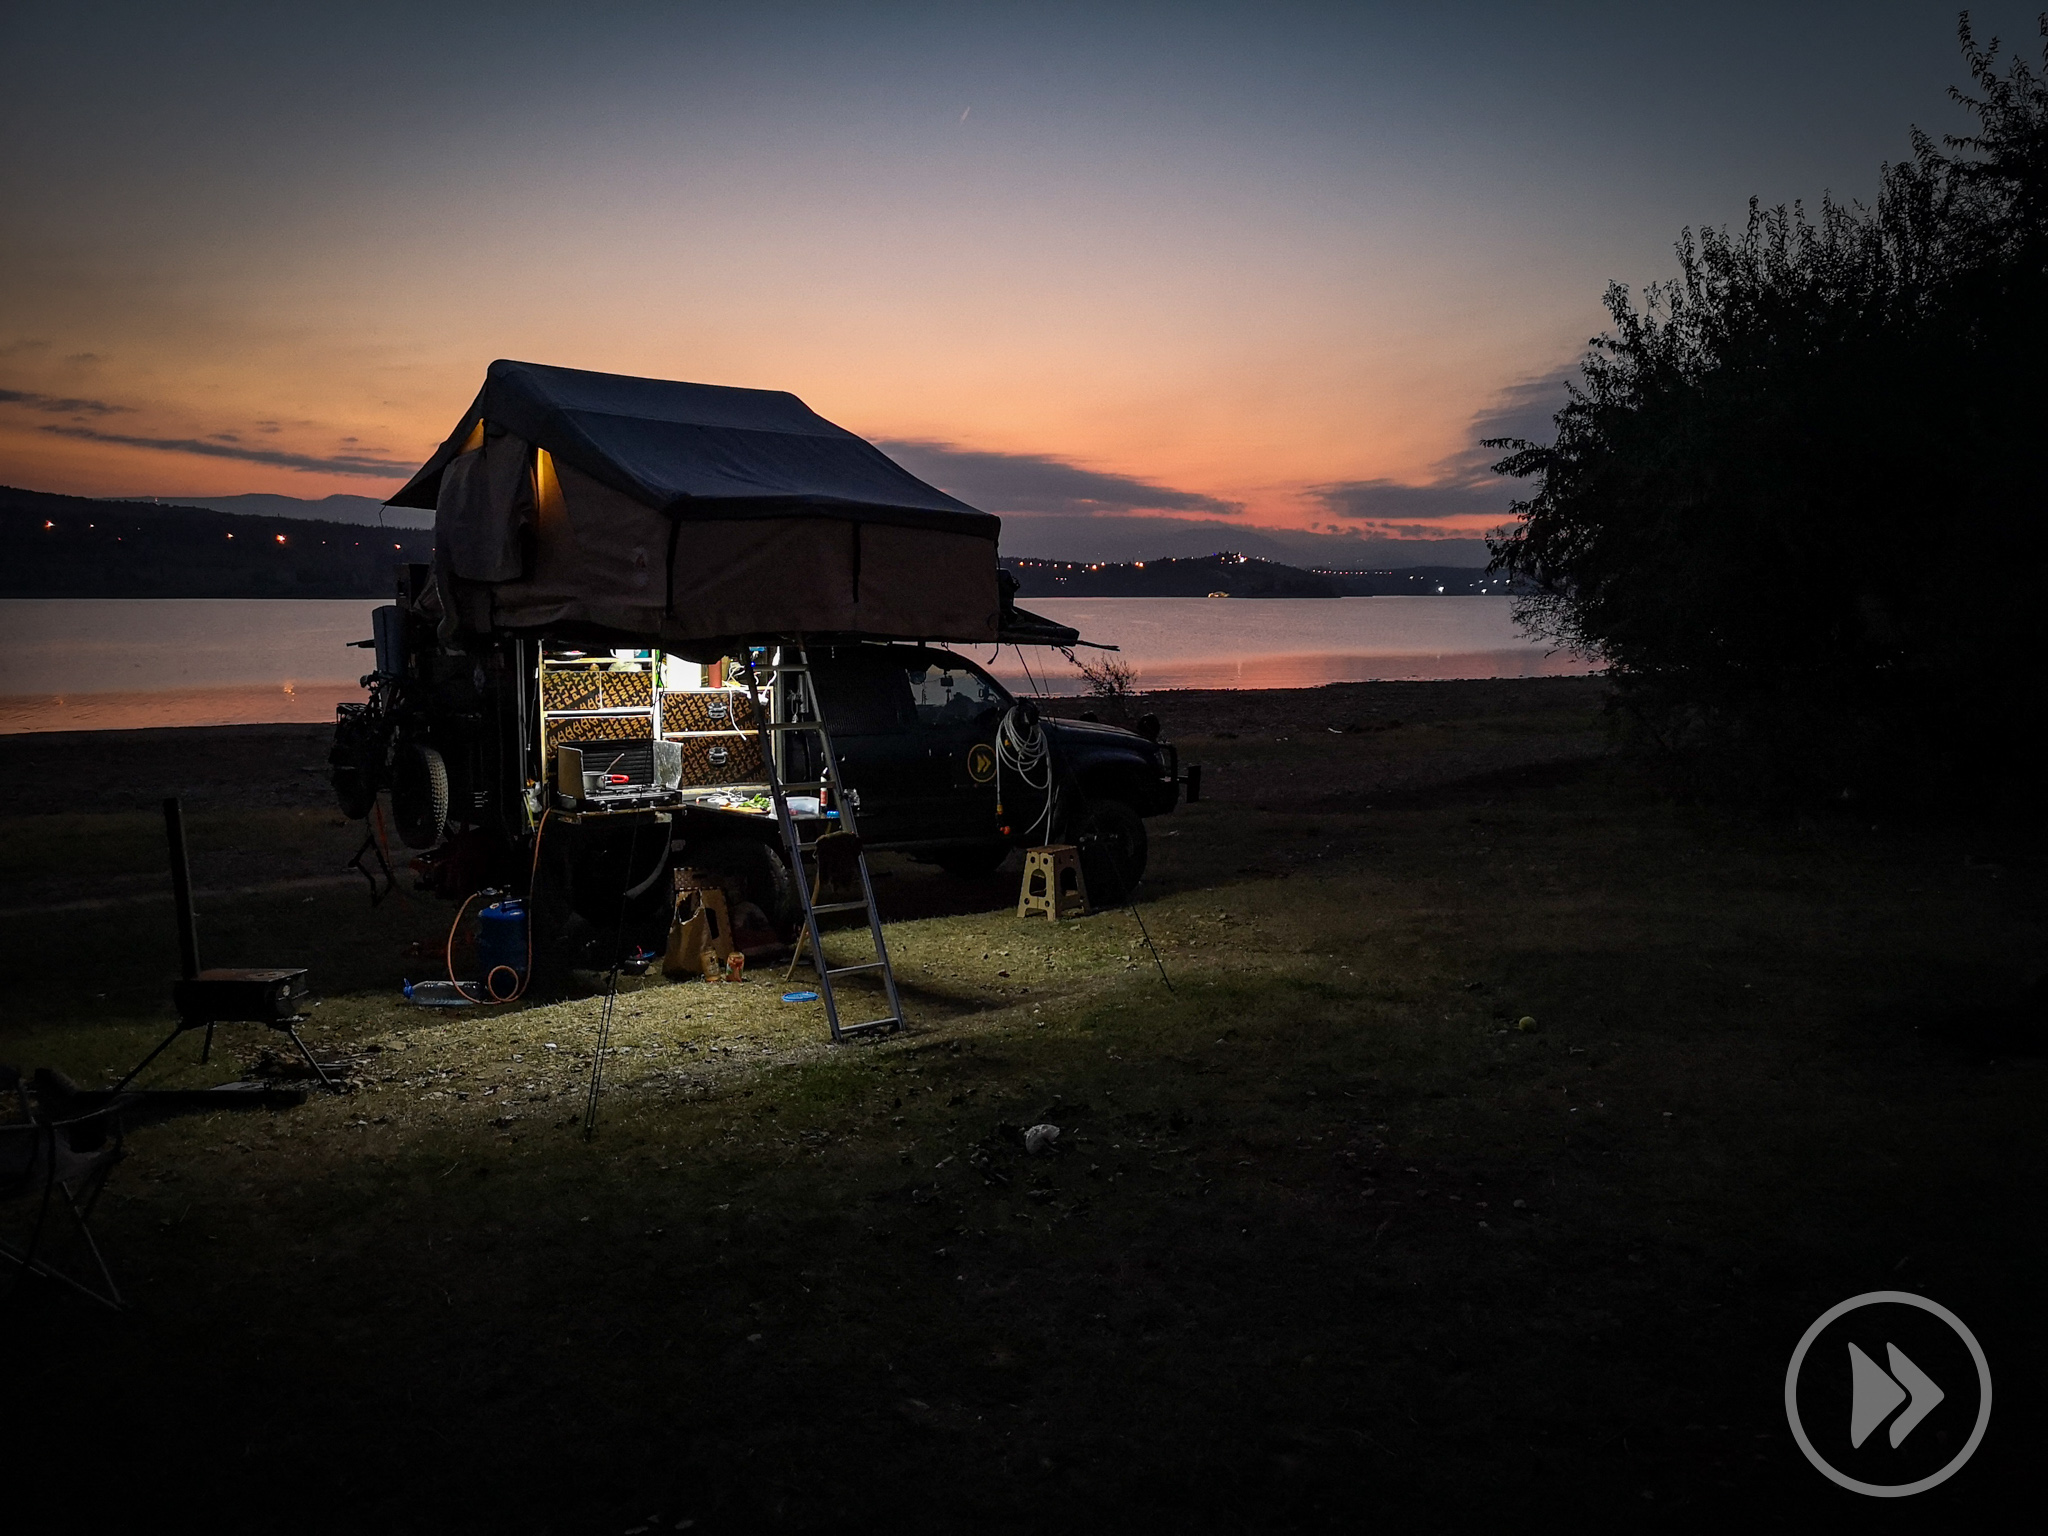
(918, 732)
(944, 763)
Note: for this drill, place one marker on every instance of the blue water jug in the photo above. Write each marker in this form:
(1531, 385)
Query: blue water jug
(501, 946)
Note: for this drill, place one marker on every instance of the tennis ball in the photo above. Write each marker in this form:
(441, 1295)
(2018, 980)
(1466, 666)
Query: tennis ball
(1525, 1022)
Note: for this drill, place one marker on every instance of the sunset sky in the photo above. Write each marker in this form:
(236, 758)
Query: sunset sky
(1273, 265)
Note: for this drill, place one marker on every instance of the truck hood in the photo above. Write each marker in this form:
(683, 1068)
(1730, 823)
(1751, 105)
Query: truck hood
(1095, 734)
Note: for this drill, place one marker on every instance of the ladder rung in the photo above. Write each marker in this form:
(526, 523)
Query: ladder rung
(865, 965)
(797, 725)
(807, 784)
(840, 906)
(892, 1022)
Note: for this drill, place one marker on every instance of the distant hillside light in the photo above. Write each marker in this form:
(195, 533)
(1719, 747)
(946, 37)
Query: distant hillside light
(280, 538)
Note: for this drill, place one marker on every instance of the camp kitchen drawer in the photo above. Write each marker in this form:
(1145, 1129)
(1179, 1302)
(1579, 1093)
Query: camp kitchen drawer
(591, 732)
(733, 759)
(585, 690)
(706, 709)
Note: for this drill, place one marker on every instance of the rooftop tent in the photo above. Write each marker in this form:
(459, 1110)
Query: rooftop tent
(691, 515)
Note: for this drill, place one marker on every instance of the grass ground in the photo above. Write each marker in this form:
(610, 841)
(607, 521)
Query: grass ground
(1327, 1237)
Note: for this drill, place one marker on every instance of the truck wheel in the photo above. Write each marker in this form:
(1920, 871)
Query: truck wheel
(353, 791)
(419, 795)
(972, 861)
(1111, 837)
(749, 871)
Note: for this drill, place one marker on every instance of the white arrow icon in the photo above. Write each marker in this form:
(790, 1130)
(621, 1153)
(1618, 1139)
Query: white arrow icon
(1877, 1394)
(1873, 1395)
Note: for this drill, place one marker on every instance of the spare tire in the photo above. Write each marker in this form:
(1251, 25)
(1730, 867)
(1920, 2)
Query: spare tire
(353, 791)
(355, 765)
(419, 795)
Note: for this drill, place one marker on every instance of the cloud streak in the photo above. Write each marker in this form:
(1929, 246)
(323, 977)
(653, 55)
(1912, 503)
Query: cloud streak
(1465, 484)
(339, 464)
(1033, 482)
(59, 405)
(1382, 500)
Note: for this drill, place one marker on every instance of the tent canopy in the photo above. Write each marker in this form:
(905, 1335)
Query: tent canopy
(692, 516)
(697, 450)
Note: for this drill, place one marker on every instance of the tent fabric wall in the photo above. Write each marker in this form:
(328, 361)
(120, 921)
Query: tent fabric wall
(604, 562)
(692, 515)
(485, 510)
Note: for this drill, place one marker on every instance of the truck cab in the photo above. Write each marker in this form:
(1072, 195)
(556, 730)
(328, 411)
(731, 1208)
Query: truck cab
(940, 755)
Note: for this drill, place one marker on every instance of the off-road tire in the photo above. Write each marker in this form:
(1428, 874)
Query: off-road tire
(353, 790)
(419, 795)
(1111, 839)
(355, 766)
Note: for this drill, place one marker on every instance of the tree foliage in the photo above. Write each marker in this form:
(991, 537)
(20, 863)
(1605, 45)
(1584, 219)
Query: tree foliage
(1794, 496)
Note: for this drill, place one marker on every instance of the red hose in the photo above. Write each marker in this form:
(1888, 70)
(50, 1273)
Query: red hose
(448, 949)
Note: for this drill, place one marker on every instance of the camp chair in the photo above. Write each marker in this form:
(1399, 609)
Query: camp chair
(42, 1158)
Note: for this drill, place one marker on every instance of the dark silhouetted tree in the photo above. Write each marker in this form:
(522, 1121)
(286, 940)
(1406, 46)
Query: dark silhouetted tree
(1794, 499)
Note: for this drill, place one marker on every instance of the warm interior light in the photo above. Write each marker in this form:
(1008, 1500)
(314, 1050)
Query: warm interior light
(547, 490)
(475, 440)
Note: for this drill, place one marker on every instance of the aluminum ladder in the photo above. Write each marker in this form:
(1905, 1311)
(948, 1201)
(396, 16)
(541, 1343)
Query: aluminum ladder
(802, 699)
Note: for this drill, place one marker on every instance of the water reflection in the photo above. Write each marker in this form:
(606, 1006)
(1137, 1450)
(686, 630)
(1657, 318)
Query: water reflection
(253, 704)
(109, 664)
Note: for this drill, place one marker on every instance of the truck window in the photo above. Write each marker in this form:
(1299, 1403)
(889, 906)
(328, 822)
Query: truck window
(950, 695)
(864, 700)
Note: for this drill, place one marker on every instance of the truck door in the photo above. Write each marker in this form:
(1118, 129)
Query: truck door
(865, 695)
(958, 709)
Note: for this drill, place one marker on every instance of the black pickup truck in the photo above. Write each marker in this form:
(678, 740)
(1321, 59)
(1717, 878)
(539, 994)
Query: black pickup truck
(919, 733)
(945, 766)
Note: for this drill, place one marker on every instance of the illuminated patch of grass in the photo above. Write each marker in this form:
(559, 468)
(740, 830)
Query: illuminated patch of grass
(1327, 1235)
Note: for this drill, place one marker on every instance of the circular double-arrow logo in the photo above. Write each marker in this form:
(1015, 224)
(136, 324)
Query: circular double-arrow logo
(1888, 1394)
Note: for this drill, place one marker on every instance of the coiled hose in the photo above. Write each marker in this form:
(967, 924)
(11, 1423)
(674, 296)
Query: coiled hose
(1023, 748)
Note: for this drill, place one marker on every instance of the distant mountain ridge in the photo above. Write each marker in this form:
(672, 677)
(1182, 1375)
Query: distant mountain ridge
(75, 546)
(1079, 539)
(328, 509)
(1228, 573)
(1126, 540)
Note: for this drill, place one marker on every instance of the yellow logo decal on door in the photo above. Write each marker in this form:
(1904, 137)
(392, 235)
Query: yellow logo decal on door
(981, 762)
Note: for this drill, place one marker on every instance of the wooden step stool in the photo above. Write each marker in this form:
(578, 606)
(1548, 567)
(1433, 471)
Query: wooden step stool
(1053, 883)
(700, 929)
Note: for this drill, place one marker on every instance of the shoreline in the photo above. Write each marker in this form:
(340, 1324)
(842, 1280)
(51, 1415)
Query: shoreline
(249, 706)
(282, 764)
(323, 695)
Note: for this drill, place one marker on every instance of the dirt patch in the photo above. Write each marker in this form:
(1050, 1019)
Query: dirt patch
(223, 767)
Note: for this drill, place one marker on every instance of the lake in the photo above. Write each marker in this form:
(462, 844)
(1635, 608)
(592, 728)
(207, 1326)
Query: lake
(71, 664)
